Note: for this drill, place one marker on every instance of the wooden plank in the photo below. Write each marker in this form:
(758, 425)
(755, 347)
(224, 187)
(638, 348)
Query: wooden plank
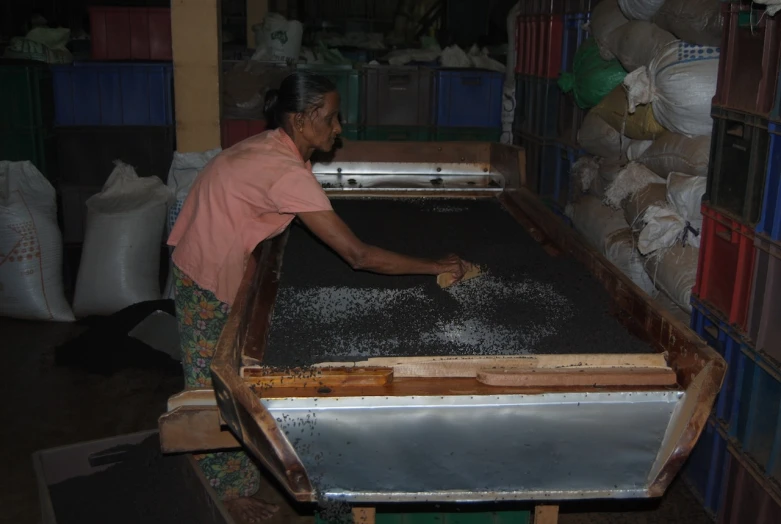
(546, 514)
(577, 377)
(407, 367)
(188, 429)
(364, 515)
(196, 73)
(324, 378)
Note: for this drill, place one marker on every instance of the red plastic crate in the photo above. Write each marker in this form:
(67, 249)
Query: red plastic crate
(234, 131)
(747, 495)
(750, 51)
(726, 266)
(130, 33)
(549, 46)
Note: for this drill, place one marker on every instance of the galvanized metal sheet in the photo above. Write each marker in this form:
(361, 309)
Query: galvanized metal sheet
(472, 448)
(396, 182)
(399, 168)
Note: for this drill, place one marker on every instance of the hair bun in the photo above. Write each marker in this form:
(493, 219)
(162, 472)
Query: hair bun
(269, 105)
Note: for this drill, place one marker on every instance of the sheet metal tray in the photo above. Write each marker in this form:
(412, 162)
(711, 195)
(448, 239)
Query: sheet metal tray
(450, 438)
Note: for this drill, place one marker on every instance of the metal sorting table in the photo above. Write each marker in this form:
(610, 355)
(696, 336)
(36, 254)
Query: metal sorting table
(480, 426)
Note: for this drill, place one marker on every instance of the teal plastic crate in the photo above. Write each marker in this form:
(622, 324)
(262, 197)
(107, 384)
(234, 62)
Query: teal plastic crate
(351, 132)
(398, 133)
(348, 83)
(457, 517)
(26, 97)
(467, 134)
(35, 145)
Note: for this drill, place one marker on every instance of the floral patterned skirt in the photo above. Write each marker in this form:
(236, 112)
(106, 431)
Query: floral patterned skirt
(201, 317)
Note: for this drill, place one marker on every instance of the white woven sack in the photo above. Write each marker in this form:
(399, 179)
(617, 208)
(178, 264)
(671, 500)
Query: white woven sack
(594, 220)
(636, 43)
(120, 263)
(640, 9)
(30, 246)
(621, 251)
(678, 153)
(679, 83)
(674, 271)
(185, 167)
(606, 18)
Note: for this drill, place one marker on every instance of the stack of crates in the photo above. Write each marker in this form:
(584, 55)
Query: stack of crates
(736, 302)
(548, 32)
(26, 106)
(117, 106)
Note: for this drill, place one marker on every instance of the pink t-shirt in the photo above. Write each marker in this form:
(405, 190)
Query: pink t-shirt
(246, 194)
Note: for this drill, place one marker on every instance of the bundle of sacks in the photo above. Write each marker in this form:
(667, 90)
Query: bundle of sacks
(636, 196)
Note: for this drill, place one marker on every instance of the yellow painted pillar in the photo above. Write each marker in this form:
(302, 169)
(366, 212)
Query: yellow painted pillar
(197, 49)
(256, 12)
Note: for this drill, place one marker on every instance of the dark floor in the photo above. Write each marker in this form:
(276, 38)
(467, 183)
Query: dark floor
(48, 406)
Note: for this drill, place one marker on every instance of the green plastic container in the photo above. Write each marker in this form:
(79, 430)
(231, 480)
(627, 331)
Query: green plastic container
(35, 145)
(348, 83)
(467, 134)
(398, 133)
(460, 517)
(351, 132)
(26, 97)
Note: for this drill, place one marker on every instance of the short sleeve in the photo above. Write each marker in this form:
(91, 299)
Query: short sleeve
(299, 192)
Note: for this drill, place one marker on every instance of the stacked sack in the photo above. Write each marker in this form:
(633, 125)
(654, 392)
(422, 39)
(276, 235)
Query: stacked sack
(636, 198)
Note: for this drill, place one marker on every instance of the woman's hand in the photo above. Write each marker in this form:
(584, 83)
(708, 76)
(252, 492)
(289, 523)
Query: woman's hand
(454, 265)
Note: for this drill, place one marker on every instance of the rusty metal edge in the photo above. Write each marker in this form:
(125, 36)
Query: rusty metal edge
(686, 353)
(244, 339)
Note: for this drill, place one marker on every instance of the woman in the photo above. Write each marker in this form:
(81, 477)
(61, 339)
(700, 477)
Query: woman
(247, 194)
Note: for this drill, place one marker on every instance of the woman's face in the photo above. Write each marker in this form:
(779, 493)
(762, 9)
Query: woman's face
(322, 127)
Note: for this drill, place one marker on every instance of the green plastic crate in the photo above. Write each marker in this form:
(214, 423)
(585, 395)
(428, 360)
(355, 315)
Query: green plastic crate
(348, 83)
(467, 134)
(26, 97)
(36, 146)
(486, 517)
(351, 132)
(398, 133)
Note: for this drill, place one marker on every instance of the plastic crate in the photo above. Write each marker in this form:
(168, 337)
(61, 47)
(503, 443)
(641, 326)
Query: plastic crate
(770, 216)
(113, 94)
(747, 496)
(56, 465)
(468, 98)
(723, 339)
(130, 33)
(348, 83)
(725, 268)
(705, 469)
(557, 186)
(398, 133)
(764, 318)
(540, 157)
(26, 97)
(739, 151)
(544, 105)
(549, 46)
(36, 145)
(522, 119)
(750, 50)
(397, 96)
(86, 155)
(574, 34)
(467, 134)
(234, 131)
(460, 515)
(569, 119)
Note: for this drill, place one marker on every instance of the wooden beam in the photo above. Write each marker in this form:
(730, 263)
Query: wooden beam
(364, 515)
(256, 12)
(189, 428)
(196, 36)
(324, 378)
(597, 377)
(546, 515)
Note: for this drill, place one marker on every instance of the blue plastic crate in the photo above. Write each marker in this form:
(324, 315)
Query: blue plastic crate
(545, 104)
(521, 89)
(468, 98)
(540, 160)
(770, 217)
(758, 421)
(706, 468)
(113, 94)
(574, 35)
(554, 180)
(720, 336)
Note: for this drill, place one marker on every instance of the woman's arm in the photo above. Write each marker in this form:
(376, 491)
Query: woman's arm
(332, 230)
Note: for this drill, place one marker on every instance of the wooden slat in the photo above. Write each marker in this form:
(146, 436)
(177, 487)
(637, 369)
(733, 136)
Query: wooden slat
(546, 514)
(364, 515)
(406, 367)
(324, 378)
(577, 377)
